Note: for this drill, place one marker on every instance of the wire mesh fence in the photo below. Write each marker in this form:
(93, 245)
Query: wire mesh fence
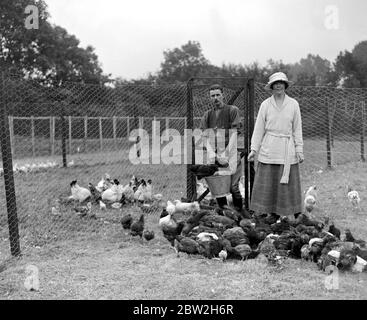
(83, 132)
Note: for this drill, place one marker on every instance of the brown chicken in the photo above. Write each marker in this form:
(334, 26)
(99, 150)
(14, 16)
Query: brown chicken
(137, 227)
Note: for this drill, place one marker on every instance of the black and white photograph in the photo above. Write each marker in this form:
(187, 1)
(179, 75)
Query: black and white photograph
(184, 156)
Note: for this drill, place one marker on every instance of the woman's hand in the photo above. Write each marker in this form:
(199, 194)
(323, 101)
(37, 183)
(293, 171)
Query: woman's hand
(251, 156)
(300, 157)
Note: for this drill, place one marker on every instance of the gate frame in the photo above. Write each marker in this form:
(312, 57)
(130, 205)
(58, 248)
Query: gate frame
(248, 87)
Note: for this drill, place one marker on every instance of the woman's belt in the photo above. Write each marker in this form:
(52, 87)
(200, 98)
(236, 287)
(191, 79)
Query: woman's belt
(287, 166)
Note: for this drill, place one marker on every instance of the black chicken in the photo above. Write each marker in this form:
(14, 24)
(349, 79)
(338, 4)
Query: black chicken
(335, 231)
(201, 170)
(96, 195)
(148, 235)
(347, 259)
(185, 244)
(170, 228)
(349, 237)
(126, 221)
(137, 227)
(193, 221)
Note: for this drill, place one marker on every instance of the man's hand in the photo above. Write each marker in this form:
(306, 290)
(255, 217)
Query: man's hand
(251, 156)
(300, 157)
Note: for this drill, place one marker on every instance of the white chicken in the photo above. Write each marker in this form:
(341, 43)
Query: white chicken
(105, 183)
(223, 255)
(206, 236)
(32, 282)
(140, 192)
(79, 193)
(353, 197)
(102, 205)
(171, 208)
(148, 192)
(310, 198)
(113, 193)
(186, 206)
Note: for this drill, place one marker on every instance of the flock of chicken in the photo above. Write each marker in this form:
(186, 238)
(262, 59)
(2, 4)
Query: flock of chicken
(109, 192)
(222, 233)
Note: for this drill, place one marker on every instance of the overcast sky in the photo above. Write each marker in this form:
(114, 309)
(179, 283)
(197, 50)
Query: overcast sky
(129, 37)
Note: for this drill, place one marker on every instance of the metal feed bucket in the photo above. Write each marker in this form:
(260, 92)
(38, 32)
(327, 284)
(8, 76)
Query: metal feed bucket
(219, 186)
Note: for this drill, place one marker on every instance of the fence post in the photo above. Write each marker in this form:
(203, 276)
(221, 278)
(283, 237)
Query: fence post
(64, 134)
(7, 159)
(328, 135)
(363, 120)
(114, 131)
(100, 133)
(11, 131)
(52, 135)
(33, 138)
(85, 132)
(251, 120)
(70, 134)
(190, 177)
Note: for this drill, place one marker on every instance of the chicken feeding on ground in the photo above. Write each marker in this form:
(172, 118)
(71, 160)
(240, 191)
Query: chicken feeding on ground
(82, 211)
(137, 227)
(126, 221)
(310, 199)
(79, 193)
(353, 197)
(223, 255)
(128, 193)
(148, 192)
(334, 230)
(186, 206)
(170, 228)
(186, 244)
(140, 191)
(113, 193)
(148, 235)
(104, 183)
(171, 208)
(96, 195)
(349, 238)
(209, 244)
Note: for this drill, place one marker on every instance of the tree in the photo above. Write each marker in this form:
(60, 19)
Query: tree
(180, 64)
(359, 54)
(311, 71)
(48, 54)
(346, 70)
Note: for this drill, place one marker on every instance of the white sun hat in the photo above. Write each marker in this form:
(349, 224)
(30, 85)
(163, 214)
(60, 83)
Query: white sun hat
(277, 76)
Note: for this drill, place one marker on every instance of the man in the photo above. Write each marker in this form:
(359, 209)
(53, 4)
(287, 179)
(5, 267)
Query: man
(223, 116)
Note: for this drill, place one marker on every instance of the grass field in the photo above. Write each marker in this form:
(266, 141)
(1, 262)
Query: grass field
(81, 258)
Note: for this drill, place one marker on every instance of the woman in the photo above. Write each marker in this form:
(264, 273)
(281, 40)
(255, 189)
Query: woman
(277, 140)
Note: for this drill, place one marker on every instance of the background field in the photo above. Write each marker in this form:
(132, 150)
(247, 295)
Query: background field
(95, 259)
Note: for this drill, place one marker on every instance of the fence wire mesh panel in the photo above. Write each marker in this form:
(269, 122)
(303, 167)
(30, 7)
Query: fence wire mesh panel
(333, 123)
(96, 126)
(83, 132)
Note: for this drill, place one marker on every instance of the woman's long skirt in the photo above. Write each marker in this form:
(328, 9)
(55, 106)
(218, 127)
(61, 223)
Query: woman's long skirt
(270, 196)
